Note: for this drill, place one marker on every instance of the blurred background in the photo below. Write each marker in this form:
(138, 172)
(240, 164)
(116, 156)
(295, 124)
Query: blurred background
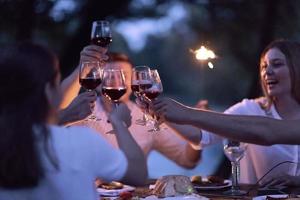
(163, 34)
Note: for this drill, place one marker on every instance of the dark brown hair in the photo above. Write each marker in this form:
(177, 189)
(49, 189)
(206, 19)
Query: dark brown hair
(25, 69)
(118, 57)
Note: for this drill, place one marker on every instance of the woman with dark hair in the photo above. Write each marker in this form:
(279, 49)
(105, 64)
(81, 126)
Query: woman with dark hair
(280, 80)
(39, 160)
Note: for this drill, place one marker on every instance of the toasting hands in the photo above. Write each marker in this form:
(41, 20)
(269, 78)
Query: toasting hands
(169, 110)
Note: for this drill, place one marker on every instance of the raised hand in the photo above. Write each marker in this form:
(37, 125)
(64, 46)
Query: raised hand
(120, 113)
(93, 53)
(170, 110)
(80, 108)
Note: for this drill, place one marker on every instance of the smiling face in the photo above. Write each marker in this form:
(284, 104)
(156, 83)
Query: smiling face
(275, 74)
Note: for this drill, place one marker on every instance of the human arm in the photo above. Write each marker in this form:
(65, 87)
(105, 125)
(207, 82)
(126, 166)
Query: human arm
(250, 129)
(281, 180)
(81, 107)
(174, 147)
(188, 132)
(70, 85)
(137, 169)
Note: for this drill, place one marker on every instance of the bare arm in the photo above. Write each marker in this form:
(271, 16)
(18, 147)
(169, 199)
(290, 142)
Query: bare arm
(70, 88)
(193, 136)
(137, 168)
(70, 85)
(251, 129)
(190, 133)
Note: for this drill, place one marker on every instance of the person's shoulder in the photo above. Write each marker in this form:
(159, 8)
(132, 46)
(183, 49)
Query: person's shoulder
(79, 132)
(246, 106)
(68, 129)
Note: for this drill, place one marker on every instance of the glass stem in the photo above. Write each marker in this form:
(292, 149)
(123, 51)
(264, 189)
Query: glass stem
(144, 116)
(234, 171)
(156, 124)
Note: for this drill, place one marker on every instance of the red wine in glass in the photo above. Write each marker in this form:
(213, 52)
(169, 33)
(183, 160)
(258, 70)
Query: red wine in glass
(144, 85)
(135, 88)
(101, 41)
(101, 33)
(152, 94)
(90, 83)
(114, 93)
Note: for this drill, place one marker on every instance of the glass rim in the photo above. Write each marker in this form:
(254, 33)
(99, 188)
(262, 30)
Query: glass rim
(101, 22)
(91, 62)
(136, 68)
(113, 69)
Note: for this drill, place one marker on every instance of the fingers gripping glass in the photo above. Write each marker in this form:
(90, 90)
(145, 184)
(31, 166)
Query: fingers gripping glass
(90, 78)
(140, 80)
(234, 151)
(113, 86)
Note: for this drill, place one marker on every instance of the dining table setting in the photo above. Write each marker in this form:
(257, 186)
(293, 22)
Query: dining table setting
(176, 187)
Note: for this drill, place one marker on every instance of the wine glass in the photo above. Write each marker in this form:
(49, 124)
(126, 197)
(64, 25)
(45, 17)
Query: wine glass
(113, 86)
(234, 151)
(153, 92)
(89, 78)
(141, 75)
(101, 33)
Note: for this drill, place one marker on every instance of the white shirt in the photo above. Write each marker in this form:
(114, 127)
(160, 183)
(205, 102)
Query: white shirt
(165, 141)
(259, 159)
(82, 156)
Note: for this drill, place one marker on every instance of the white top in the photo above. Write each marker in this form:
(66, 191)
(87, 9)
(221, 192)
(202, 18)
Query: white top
(259, 159)
(165, 141)
(82, 156)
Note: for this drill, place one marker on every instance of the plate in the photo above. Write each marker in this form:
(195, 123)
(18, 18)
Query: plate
(274, 196)
(115, 192)
(227, 183)
(185, 197)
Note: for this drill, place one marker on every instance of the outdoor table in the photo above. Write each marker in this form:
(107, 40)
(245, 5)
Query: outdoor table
(218, 194)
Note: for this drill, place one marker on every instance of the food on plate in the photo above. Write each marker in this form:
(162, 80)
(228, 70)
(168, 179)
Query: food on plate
(172, 185)
(111, 186)
(209, 181)
(215, 179)
(196, 179)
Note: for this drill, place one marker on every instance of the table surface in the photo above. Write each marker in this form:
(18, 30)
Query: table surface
(218, 194)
